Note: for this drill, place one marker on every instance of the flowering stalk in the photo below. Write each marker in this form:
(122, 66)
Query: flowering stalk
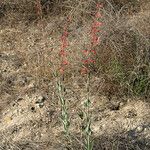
(60, 86)
(85, 70)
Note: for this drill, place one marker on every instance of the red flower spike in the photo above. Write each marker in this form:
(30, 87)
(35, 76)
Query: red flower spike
(94, 40)
(64, 45)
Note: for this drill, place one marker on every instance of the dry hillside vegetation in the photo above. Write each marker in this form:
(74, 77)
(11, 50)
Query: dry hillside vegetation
(120, 79)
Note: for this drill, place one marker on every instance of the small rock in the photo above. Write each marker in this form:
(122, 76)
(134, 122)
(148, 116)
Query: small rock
(122, 104)
(21, 111)
(131, 114)
(22, 81)
(40, 99)
(8, 119)
(41, 105)
(50, 113)
(33, 109)
(114, 106)
(103, 126)
(31, 85)
(19, 99)
(139, 129)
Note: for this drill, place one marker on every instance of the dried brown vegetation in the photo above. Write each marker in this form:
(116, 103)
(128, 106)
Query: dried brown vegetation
(29, 46)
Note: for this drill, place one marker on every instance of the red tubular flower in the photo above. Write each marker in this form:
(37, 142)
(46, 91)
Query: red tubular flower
(86, 52)
(62, 38)
(95, 40)
(98, 15)
(64, 44)
(97, 24)
(94, 30)
(86, 61)
(65, 62)
(91, 60)
(65, 33)
(69, 18)
(93, 52)
(99, 5)
(62, 53)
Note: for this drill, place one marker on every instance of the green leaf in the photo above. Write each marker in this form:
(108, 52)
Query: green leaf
(87, 103)
(81, 115)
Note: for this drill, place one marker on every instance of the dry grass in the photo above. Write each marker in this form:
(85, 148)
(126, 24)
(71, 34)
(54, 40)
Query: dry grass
(30, 43)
